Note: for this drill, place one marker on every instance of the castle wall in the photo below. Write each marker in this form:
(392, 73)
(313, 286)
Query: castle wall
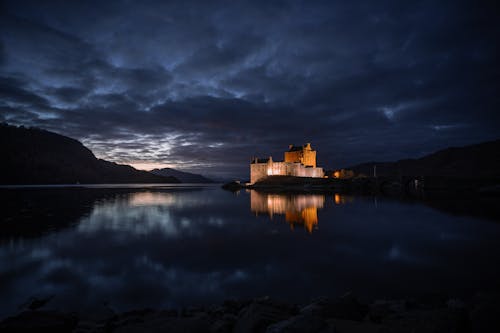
(277, 168)
(309, 158)
(292, 169)
(293, 156)
(313, 172)
(261, 170)
(258, 171)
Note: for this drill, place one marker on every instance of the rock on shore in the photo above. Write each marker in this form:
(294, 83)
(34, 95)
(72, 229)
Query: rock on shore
(266, 315)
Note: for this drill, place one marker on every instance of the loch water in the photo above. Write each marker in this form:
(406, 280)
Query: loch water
(170, 246)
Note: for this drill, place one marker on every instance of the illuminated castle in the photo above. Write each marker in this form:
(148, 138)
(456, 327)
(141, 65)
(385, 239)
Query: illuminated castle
(299, 162)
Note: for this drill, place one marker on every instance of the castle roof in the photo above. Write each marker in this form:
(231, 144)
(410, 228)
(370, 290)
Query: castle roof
(307, 146)
(295, 148)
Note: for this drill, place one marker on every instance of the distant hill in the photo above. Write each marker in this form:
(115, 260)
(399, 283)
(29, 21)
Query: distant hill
(35, 156)
(475, 161)
(184, 177)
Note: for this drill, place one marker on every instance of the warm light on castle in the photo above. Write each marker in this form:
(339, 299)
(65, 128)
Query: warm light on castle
(300, 161)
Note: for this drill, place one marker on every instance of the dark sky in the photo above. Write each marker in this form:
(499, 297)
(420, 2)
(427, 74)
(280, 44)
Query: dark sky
(206, 85)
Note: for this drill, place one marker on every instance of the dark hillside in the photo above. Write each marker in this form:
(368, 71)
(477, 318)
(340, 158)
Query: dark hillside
(475, 161)
(34, 156)
(185, 177)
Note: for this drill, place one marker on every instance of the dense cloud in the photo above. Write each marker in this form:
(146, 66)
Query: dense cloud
(204, 86)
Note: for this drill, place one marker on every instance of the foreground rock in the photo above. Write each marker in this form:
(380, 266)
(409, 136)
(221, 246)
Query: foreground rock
(266, 315)
(40, 321)
(261, 313)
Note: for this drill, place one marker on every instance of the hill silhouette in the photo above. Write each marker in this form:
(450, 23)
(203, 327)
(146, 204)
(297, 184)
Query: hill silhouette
(35, 156)
(185, 177)
(475, 161)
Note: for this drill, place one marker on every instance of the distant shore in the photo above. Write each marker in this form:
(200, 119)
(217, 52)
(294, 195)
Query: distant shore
(407, 185)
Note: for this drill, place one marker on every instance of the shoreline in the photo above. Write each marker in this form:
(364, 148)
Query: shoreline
(434, 313)
(412, 186)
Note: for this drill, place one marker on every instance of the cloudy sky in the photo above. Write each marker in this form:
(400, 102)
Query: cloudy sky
(206, 85)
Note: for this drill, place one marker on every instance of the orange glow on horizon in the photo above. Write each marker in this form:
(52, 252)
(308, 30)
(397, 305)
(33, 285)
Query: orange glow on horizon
(148, 166)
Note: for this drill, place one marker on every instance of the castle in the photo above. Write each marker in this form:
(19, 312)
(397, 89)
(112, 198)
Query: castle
(300, 161)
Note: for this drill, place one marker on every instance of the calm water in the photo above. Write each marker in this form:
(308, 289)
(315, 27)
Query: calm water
(175, 246)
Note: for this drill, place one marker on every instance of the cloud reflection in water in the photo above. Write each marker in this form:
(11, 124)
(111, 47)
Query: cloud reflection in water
(143, 213)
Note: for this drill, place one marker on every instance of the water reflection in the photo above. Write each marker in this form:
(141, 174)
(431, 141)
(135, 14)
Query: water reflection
(144, 213)
(152, 199)
(299, 209)
(342, 199)
(157, 248)
(177, 199)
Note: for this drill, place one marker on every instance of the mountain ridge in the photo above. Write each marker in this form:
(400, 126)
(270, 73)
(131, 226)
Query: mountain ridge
(183, 176)
(36, 156)
(480, 160)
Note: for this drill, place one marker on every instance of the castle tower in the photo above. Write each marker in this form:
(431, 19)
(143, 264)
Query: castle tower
(301, 154)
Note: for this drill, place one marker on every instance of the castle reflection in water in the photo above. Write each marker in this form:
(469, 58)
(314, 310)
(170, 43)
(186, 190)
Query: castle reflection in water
(299, 209)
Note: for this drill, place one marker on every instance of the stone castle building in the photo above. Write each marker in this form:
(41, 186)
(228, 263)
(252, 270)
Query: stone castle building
(300, 161)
